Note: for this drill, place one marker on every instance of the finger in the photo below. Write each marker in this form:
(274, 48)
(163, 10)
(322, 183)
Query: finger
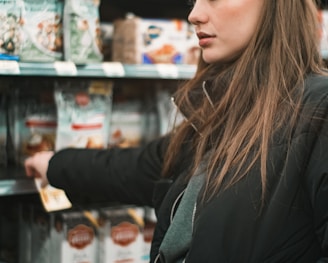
(44, 182)
(29, 167)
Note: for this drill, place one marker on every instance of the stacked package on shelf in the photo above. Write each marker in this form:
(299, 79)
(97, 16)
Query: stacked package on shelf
(74, 237)
(134, 117)
(61, 237)
(10, 34)
(82, 33)
(152, 41)
(50, 30)
(33, 121)
(83, 110)
(42, 31)
(105, 234)
(121, 234)
(126, 124)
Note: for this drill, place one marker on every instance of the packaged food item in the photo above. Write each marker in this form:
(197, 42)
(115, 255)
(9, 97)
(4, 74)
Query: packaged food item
(120, 232)
(36, 122)
(31, 120)
(42, 31)
(10, 33)
(52, 198)
(83, 110)
(82, 33)
(126, 124)
(77, 237)
(149, 41)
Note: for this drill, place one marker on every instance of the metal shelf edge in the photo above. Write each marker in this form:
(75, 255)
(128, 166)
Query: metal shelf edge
(103, 70)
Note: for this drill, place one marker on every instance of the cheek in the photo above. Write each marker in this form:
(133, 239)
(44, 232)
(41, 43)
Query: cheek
(242, 15)
(242, 25)
(231, 18)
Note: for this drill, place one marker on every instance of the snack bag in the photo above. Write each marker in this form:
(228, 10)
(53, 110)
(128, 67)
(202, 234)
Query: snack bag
(83, 111)
(82, 31)
(42, 31)
(126, 124)
(37, 123)
(31, 121)
(10, 34)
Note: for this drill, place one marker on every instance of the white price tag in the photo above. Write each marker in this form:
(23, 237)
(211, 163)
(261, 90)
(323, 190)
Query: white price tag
(65, 68)
(9, 67)
(167, 70)
(113, 69)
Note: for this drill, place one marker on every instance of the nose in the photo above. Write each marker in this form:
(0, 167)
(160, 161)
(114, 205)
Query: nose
(197, 15)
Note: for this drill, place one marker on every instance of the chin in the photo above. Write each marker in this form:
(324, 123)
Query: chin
(214, 56)
(211, 57)
(216, 59)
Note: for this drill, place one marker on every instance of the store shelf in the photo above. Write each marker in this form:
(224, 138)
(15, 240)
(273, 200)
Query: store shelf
(14, 182)
(105, 69)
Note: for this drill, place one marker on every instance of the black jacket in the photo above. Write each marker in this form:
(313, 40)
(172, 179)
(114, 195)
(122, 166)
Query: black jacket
(293, 226)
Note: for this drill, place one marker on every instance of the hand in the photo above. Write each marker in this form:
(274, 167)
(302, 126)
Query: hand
(37, 165)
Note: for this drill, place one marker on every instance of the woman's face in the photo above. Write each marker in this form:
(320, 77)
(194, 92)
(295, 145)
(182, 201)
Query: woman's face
(224, 27)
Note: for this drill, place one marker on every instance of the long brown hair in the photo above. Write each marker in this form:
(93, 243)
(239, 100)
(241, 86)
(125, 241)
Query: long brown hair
(246, 100)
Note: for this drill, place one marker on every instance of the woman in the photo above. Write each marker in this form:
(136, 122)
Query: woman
(244, 178)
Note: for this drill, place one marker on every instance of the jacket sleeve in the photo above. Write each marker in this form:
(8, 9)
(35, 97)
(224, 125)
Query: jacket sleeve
(317, 188)
(316, 181)
(123, 175)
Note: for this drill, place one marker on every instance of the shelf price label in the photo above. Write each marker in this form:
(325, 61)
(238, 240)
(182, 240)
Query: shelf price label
(9, 67)
(66, 68)
(167, 70)
(113, 69)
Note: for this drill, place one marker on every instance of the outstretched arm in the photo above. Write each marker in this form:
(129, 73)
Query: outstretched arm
(125, 175)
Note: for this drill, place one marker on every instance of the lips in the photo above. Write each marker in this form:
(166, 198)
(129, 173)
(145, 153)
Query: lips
(202, 35)
(204, 39)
